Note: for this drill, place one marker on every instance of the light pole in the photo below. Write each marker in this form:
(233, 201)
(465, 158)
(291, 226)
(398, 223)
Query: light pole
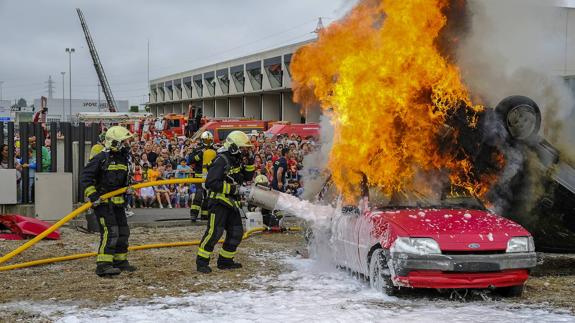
(63, 99)
(70, 51)
(1, 82)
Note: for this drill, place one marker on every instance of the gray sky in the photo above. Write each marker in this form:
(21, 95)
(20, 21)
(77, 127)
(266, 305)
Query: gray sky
(183, 34)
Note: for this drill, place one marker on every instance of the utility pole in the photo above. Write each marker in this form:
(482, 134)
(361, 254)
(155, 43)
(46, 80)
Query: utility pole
(50, 87)
(148, 85)
(70, 51)
(63, 98)
(319, 26)
(1, 82)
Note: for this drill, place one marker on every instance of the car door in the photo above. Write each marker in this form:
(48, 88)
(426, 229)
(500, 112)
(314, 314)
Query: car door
(346, 238)
(366, 238)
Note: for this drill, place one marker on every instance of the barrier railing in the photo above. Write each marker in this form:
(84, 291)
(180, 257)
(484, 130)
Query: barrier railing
(63, 130)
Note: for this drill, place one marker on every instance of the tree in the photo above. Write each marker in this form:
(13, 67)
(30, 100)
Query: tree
(134, 108)
(22, 103)
(19, 105)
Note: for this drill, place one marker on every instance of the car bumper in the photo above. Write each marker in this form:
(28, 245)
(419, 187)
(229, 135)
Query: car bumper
(438, 279)
(462, 271)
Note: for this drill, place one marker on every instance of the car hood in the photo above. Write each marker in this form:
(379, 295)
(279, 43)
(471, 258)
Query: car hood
(457, 229)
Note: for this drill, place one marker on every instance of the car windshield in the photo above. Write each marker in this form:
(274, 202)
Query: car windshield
(451, 198)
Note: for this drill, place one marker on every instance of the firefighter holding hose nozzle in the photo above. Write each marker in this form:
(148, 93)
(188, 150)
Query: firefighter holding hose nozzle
(108, 171)
(224, 180)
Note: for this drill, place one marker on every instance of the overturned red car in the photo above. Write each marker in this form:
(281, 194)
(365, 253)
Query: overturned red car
(455, 244)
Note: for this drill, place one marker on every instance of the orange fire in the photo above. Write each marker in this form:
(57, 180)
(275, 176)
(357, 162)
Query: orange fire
(389, 90)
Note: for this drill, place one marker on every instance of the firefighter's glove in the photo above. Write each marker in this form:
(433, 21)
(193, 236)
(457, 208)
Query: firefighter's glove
(244, 190)
(95, 199)
(96, 203)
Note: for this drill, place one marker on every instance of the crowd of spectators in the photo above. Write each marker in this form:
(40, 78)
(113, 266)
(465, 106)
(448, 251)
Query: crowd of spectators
(154, 157)
(20, 165)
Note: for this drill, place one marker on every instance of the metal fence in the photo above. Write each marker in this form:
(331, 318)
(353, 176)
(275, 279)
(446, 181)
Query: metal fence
(70, 133)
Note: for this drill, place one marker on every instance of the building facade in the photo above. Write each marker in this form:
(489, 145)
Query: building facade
(257, 86)
(59, 110)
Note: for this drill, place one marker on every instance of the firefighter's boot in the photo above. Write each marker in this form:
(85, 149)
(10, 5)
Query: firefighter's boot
(106, 269)
(125, 265)
(194, 215)
(228, 263)
(203, 265)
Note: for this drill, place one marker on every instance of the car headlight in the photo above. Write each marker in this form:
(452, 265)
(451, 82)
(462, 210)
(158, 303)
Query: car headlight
(417, 246)
(520, 244)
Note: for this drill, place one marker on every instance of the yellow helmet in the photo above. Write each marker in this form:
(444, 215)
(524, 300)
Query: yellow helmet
(235, 140)
(115, 136)
(261, 180)
(207, 138)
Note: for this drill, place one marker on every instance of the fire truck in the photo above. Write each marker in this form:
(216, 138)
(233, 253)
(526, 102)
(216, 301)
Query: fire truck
(131, 120)
(220, 128)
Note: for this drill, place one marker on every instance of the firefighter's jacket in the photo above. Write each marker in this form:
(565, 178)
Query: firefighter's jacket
(225, 176)
(105, 172)
(202, 158)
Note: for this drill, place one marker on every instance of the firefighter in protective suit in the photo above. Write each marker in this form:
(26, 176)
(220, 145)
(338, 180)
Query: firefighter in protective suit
(106, 172)
(224, 182)
(202, 156)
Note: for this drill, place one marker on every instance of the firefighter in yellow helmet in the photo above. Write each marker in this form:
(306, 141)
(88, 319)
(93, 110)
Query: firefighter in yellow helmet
(106, 172)
(202, 157)
(231, 168)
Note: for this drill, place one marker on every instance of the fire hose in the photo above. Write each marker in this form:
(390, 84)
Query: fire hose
(87, 206)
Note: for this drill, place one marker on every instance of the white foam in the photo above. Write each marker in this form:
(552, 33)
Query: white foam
(315, 213)
(303, 293)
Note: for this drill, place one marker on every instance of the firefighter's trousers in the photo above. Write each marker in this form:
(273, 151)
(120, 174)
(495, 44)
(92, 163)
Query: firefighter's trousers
(114, 232)
(199, 205)
(221, 218)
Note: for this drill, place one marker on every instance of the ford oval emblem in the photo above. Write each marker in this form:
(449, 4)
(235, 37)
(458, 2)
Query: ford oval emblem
(474, 245)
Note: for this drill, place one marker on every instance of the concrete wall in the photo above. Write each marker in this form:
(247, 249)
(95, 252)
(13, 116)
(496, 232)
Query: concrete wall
(271, 107)
(236, 107)
(222, 109)
(253, 107)
(291, 111)
(52, 204)
(209, 108)
(8, 189)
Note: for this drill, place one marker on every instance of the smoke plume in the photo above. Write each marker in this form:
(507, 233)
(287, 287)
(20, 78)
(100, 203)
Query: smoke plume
(315, 164)
(517, 47)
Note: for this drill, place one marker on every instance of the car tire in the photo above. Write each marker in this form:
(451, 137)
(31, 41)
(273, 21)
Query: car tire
(521, 117)
(380, 275)
(511, 291)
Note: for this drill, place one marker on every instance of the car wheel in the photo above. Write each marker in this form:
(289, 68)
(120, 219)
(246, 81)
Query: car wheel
(512, 291)
(380, 275)
(521, 117)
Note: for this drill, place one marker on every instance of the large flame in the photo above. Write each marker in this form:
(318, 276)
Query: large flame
(390, 91)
